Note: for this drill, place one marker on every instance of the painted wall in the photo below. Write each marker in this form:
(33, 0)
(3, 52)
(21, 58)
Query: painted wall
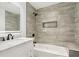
(31, 20)
(63, 13)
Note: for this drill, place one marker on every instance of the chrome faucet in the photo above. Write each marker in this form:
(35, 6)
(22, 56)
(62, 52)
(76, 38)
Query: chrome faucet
(8, 37)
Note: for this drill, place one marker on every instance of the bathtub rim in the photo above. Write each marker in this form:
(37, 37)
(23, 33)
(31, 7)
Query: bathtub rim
(48, 51)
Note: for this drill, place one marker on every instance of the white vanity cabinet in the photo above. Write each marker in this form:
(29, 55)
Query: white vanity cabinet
(21, 50)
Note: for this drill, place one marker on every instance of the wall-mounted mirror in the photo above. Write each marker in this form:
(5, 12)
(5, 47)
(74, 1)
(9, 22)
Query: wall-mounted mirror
(9, 17)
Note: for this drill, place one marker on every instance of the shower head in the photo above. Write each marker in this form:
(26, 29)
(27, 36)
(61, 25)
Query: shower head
(35, 13)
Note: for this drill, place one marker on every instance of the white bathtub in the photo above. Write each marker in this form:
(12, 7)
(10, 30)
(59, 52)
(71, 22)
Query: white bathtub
(45, 50)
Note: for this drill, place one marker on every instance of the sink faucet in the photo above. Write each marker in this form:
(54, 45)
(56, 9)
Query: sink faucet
(8, 37)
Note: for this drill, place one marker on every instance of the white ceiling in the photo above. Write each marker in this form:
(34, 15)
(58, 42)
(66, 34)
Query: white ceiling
(38, 5)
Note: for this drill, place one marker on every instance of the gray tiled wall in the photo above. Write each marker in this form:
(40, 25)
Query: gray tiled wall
(30, 22)
(67, 17)
(77, 24)
(63, 13)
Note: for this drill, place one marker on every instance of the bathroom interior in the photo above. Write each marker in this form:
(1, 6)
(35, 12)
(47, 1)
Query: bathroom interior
(39, 29)
(55, 28)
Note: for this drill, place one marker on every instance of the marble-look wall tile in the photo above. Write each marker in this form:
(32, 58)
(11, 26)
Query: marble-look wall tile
(77, 23)
(30, 22)
(62, 13)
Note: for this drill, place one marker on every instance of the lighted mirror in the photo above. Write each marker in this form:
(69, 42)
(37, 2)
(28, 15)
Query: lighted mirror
(9, 17)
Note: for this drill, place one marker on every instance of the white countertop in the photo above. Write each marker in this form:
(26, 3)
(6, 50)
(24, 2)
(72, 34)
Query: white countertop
(11, 43)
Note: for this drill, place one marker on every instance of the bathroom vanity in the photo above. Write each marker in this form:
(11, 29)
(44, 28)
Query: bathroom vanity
(19, 47)
(12, 22)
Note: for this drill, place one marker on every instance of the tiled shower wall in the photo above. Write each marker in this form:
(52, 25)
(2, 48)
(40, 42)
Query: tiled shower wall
(64, 14)
(77, 24)
(31, 20)
(67, 17)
